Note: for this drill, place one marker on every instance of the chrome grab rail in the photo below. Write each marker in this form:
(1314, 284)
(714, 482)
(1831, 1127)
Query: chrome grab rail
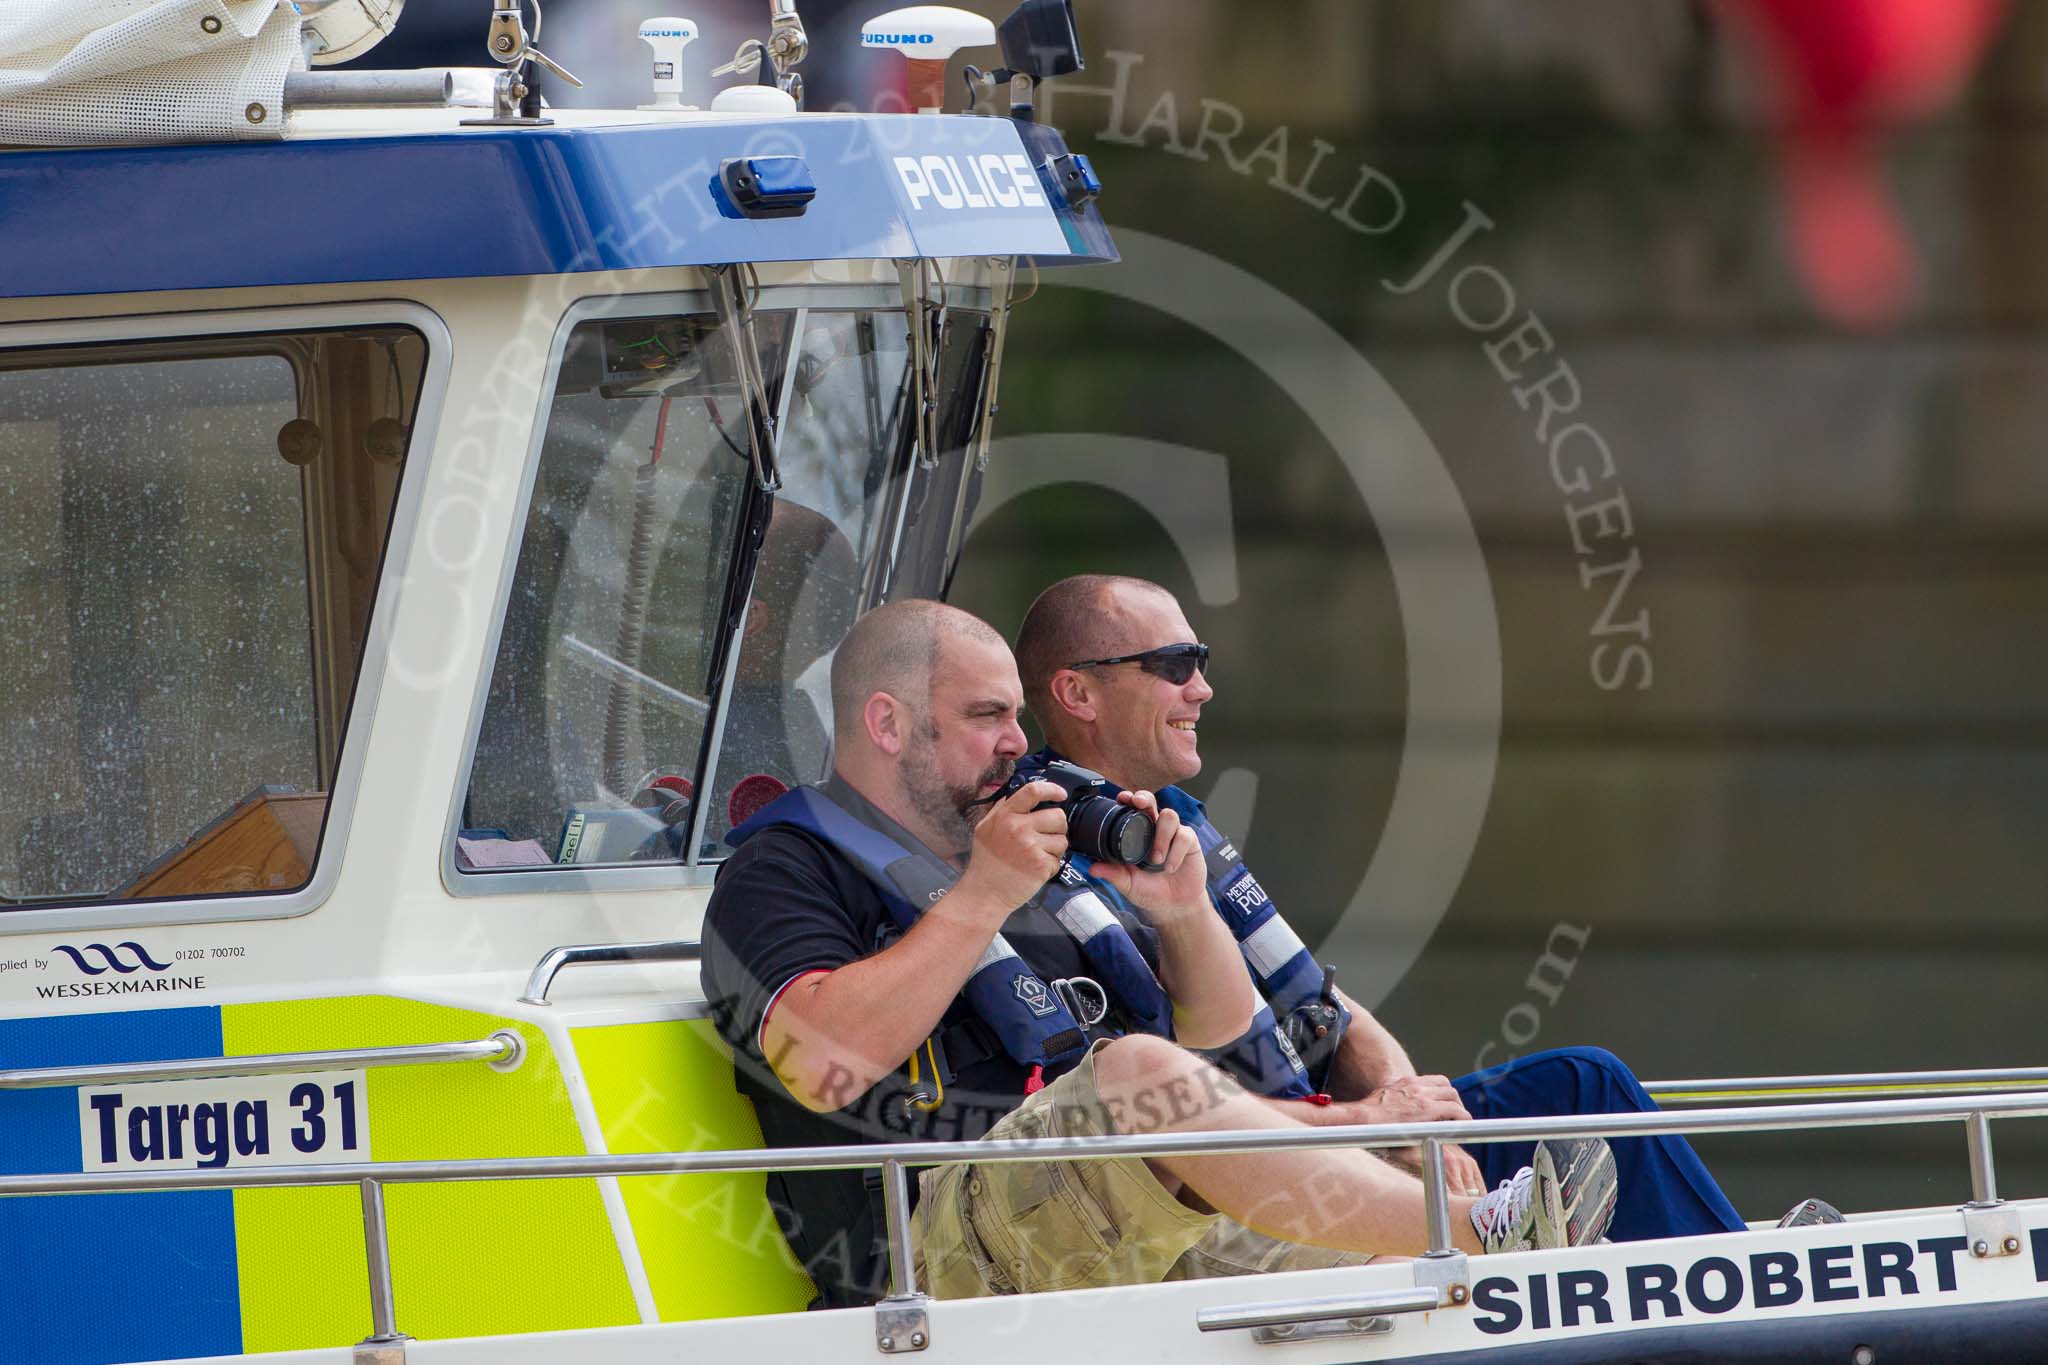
(431, 89)
(1289, 1312)
(503, 1050)
(895, 1159)
(864, 1156)
(604, 954)
(1893, 1084)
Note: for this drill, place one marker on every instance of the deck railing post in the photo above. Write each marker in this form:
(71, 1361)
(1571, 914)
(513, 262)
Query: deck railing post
(1990, 1226)
(902, 1321)
(1436, 1201)
(1443, 1267)
(377, 1251)
(896, 1209)
(1983, 1170)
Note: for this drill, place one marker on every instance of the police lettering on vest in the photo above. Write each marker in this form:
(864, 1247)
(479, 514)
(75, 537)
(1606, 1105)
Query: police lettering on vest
(1285, 971)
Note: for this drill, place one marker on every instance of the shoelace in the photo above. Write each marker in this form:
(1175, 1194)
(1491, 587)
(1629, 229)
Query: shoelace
(1504, 1197)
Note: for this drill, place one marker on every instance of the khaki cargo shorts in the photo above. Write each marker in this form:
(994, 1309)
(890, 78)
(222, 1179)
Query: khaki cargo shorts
(1021, 1227)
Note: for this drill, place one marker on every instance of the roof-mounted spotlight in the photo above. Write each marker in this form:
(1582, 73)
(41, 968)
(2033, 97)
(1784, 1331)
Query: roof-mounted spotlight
(1039, 42)
(927, 36)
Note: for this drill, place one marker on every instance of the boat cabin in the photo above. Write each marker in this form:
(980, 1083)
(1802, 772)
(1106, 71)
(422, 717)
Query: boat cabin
(425, 519)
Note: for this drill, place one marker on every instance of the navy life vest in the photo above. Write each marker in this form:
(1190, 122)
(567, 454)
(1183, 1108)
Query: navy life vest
(1287, 973)
(1027, 1015)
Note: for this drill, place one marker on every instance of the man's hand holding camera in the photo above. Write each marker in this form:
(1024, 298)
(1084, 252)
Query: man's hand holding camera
(1141, 851)
(1199, 961)
(1017, 849)
(1180, 887)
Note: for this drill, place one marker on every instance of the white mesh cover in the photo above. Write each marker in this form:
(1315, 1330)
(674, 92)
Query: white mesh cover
(87, 72)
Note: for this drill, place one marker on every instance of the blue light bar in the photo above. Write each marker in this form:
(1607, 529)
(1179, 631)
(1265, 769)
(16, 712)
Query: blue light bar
(1076, 177)
(768, 186)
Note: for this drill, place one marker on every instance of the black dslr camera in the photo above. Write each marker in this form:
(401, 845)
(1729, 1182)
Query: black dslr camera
(1099, 827)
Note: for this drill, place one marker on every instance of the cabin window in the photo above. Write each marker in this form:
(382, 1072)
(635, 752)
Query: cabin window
(596, 733)
(836, 443)
(190, 538)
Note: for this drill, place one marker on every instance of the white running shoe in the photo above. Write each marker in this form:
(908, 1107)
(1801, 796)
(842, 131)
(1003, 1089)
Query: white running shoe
(1565, 1199)
(1811, 1212)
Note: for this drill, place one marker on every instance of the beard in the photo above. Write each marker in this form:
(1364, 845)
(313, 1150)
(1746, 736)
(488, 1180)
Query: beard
(952, 809)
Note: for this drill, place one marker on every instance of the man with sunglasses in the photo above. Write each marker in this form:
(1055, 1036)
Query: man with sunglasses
(886, 951)
(1117, 679)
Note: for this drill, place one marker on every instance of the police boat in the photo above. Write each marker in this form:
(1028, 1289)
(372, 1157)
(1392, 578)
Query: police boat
(424, 511)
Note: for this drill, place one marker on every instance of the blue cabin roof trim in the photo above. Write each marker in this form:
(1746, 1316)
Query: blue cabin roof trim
(547, 201)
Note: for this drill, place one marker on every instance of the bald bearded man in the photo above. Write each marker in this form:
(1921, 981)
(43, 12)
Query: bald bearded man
(1118, 680)
(886, 954)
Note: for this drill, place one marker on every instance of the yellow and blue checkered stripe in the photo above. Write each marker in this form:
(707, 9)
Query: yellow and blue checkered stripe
(100, 1279)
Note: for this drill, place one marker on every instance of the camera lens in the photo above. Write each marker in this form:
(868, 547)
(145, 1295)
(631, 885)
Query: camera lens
(1105, 831)
(1129, 835)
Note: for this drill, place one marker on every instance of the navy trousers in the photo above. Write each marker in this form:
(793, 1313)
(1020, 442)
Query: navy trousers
(1663, 1188)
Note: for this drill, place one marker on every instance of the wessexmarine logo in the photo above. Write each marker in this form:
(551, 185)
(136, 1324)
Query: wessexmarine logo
(970, 182)
(897, 39)
(112, 958)
(142, 975)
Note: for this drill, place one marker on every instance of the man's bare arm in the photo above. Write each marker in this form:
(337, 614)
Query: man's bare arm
(1368, 1058)
(1375, 1082)
(832, 1035)
(1200, 964)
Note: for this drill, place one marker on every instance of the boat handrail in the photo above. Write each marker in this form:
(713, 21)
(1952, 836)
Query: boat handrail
(1443, 1267)
(602, 954)
(1873, 1084)
(426, 89)
(503, 1050)
(861, 1156)
(1892, 1084)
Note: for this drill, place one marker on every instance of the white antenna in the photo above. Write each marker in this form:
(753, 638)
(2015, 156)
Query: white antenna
(927, 36)
(668, 37)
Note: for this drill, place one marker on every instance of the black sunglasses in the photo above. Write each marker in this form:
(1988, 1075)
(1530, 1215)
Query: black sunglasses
(1175, 663)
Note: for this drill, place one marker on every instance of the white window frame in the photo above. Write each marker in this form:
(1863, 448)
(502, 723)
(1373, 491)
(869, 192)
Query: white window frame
(254, 323)
(651, 876)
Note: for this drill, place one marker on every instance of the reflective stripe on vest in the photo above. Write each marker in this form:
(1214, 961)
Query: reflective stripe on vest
(1287, 972)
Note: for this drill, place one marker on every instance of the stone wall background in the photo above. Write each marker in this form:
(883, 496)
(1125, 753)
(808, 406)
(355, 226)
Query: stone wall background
(1814, 843)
